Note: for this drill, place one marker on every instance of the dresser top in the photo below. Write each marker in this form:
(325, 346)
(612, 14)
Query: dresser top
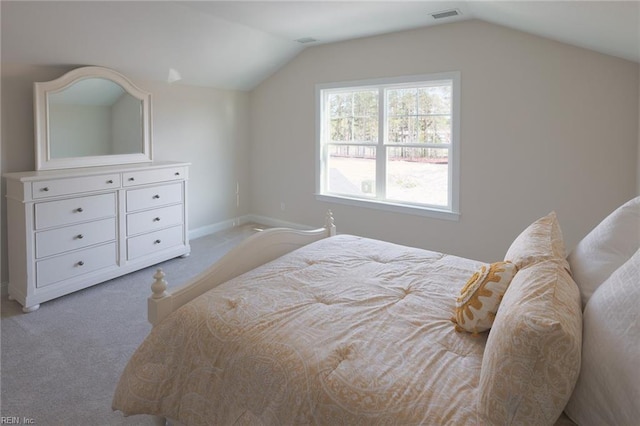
(87, 171)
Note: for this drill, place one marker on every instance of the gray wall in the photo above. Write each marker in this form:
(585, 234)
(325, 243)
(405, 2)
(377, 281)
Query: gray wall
(544, 126)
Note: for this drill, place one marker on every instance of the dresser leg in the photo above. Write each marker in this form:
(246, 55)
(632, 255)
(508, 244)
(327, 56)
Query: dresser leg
(30, 308)
(185, 255)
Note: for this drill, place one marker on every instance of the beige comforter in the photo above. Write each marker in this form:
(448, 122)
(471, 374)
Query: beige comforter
(345, 331)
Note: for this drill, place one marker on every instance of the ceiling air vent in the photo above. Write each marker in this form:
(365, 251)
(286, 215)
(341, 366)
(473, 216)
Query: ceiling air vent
(446, 14)
(306, 40)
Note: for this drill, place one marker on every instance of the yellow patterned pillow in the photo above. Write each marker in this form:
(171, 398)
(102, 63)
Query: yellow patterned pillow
(480, 298)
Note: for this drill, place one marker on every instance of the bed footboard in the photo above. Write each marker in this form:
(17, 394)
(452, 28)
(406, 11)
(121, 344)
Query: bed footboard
(256, 250)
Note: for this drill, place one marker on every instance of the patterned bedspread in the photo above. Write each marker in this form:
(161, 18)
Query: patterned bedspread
(345, 331)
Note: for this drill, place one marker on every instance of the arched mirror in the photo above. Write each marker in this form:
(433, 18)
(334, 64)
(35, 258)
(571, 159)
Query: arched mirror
(91, 116)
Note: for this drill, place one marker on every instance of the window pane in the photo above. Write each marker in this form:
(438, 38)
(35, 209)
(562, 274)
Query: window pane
(402, 129)
(341, 129)
(365, 129)
(435, 129)
(419, 115)
(352, 170)
(418, 175)
(401, 102)
(353, 116)
(434, 100)
(340, 105)
(365, 103)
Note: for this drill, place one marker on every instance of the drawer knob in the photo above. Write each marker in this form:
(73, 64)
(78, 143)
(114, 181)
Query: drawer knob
(110, 181)
(81, 263)
(155, 197)
(177, 173)
(45, 189)
(156, 219)
(157, 242)
(79, 209)
(131, 179)
(80, 236)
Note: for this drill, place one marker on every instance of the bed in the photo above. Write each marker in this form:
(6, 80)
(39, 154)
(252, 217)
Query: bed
(310, 327)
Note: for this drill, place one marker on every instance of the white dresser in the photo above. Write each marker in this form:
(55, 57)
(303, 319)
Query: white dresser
(70, 229)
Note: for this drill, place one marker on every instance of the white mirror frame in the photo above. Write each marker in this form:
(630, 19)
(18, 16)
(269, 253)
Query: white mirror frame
(44, 161)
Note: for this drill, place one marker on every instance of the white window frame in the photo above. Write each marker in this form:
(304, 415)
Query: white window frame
(451, 211)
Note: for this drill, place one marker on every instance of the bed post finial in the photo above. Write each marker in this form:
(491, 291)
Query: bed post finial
(330, 224)
(159, 286)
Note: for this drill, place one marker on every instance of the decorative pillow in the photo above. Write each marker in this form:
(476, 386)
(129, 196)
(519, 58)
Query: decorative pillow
(479, 299)
(532, 357)
(606, 248)
(608, 389)
(540, 241)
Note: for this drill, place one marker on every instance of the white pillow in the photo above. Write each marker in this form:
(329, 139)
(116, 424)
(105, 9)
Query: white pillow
(606, 248)
(608, 388)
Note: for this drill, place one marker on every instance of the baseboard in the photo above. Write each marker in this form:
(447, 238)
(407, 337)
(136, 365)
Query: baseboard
(203, 231)
(269, 221)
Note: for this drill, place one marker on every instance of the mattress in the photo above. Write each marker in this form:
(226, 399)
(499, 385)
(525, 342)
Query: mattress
(346, 330)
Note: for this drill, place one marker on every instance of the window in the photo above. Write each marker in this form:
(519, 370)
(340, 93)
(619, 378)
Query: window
(391, 144)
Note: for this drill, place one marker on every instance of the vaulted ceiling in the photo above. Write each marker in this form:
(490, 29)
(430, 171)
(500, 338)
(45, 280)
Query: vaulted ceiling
(236, 44)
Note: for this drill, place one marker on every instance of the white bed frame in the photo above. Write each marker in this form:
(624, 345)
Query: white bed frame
(256, 250)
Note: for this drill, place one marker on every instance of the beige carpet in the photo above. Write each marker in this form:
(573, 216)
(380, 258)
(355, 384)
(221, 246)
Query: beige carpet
(60, 364)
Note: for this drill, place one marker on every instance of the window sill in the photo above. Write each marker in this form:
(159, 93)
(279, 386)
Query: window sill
(391, 207)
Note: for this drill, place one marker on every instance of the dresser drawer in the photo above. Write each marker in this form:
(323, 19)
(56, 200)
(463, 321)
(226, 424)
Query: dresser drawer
(55, 187)
(153, 176)
(60, 240)
(73, 264)
(74, 210)
(157, 196)
(151, 220)
(153, 242)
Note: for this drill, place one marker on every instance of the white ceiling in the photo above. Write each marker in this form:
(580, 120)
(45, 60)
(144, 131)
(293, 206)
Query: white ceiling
(236, 44)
